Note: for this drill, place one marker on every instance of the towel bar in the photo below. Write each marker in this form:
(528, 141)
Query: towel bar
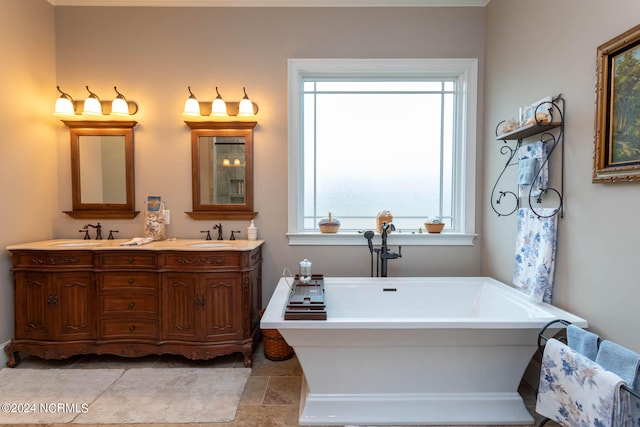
(542, 337)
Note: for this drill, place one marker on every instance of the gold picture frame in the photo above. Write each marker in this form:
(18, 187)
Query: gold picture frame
(617, 127)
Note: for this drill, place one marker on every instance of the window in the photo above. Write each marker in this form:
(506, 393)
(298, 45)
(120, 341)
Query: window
(368, 135)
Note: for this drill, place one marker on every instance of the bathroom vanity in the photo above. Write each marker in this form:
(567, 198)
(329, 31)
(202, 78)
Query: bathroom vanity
(199, 299)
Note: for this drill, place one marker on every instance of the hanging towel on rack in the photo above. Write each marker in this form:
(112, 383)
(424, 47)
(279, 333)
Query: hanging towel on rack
(622, 361)
(584, 342)
(575, 391)
(533, 171)
(535, 253)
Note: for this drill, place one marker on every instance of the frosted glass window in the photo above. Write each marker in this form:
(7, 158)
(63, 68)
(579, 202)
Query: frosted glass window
(373, 135)
(400, 159)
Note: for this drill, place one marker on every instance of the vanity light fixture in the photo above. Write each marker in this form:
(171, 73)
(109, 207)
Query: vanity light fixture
(245, 109)
(219, 109)
(191, 106)
(226, 162)
(92, 105)
(64, 104)
(218, 106)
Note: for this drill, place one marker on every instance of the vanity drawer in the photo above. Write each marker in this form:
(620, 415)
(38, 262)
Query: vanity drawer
(131, 305)
(255, 256)
(130, 259)
(129, 328)
(129, 280)
(203, 260)
(62, 259)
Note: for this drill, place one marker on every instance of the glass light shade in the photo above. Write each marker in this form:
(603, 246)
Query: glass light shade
(192, 107)
(120, 107)
(246, 108)
(218, 107)
(92, 106)
(226, 162)
(64, 106)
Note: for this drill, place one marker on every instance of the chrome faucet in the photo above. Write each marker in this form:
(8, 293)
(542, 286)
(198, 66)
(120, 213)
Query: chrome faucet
(383, 254)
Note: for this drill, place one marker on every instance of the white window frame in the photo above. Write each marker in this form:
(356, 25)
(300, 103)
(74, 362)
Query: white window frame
(466, 71)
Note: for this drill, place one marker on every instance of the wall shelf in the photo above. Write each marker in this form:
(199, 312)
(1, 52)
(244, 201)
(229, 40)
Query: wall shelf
(551, 131)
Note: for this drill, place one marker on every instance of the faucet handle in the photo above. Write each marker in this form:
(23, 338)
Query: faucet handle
(85, 230)
(208, 234)
(233, 236)
(111, 234)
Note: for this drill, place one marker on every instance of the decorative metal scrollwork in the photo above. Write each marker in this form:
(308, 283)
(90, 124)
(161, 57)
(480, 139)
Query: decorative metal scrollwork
(507, 202)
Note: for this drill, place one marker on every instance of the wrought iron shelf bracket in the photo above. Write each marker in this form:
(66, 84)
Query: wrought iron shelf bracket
(551, 131)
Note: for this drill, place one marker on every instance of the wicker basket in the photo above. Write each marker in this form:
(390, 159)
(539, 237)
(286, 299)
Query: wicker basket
(275, 347)
(434, 228)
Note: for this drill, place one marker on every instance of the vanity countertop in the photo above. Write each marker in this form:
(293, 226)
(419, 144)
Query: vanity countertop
(160, 245)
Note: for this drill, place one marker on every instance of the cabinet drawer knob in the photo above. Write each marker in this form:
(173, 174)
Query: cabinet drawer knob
(132, 328)
(131, 305)
(131, 281)
(130, 260)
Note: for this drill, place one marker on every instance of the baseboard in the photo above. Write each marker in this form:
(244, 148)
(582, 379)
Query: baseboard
(3, 355)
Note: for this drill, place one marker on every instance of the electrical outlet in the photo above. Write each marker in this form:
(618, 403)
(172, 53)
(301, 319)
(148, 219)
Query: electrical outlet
(167, 216)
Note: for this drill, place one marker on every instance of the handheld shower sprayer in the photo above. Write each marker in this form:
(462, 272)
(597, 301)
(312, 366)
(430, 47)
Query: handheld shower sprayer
(369, 236)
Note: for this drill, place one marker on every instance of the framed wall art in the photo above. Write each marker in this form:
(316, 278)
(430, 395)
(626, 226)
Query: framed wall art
(617, 121)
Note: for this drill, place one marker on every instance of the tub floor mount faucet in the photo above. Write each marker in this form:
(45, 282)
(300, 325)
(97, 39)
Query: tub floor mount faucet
(383, 255)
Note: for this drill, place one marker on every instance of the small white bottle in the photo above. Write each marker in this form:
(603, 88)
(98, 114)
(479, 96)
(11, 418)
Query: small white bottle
(252, 231)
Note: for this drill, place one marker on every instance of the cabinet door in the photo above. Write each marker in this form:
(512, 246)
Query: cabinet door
(74, 305)
(179, 302)
(221, 312)
(32, 301)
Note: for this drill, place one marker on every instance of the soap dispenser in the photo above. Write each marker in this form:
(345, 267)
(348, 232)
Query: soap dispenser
(252, 231)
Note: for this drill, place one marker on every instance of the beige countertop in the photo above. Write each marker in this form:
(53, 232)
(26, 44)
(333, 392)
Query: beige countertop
(161, 245)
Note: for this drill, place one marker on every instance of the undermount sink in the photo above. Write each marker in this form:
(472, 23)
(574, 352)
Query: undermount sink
(210, 245)
(78, 244)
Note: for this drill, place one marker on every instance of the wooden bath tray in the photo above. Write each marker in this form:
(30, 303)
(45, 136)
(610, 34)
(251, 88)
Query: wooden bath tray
(306, 300)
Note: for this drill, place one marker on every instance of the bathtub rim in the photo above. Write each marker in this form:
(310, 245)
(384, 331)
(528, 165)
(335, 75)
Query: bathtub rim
(273, 317)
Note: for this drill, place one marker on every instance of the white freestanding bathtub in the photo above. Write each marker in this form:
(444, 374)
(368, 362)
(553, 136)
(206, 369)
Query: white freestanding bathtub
(414, 350)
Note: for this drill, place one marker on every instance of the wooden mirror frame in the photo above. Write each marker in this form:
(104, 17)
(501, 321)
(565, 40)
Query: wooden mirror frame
(221, 211)
(78, 128)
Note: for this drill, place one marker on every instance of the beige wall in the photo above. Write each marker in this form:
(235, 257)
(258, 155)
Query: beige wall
(548, 47)
(28, 158)
(153, 54)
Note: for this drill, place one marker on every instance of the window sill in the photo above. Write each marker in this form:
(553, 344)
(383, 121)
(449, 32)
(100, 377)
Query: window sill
(395, 238)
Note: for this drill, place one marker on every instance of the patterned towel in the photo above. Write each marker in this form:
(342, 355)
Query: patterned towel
(575, 391)
(533, 171)
(535, 253)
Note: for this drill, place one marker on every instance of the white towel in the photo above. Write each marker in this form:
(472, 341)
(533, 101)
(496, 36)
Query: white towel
(137, 241)
(533, 170)
(575, 391)
(535, 253)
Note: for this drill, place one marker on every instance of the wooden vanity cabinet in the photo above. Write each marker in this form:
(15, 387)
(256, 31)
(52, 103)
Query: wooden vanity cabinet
(54, 306)
(199, 304)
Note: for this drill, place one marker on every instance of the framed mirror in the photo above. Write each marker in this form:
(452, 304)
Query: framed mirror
(222, 170)
(102, 169)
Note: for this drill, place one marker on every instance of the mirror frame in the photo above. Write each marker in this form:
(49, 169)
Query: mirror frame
(79, 128)
(221, 128)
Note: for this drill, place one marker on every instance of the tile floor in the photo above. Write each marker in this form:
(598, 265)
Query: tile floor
(271, 397)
